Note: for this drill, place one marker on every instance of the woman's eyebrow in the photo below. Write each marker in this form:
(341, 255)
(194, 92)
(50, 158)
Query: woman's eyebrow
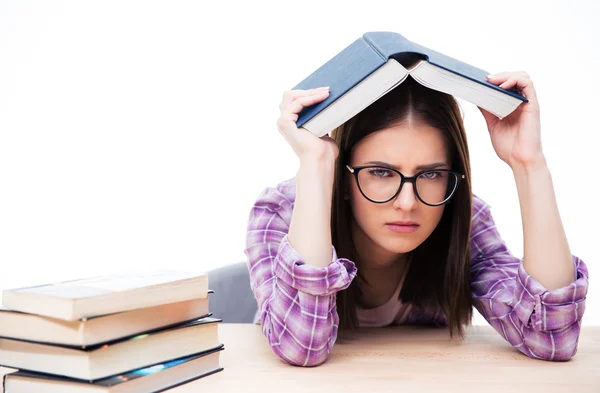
(420, 167)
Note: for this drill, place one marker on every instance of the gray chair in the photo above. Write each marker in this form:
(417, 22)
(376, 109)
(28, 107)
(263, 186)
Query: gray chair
(232, 300)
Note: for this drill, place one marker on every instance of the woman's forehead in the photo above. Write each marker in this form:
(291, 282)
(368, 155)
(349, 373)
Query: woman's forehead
(403, 146)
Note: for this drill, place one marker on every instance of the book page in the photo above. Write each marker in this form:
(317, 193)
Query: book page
(415, 65)
(4, 371)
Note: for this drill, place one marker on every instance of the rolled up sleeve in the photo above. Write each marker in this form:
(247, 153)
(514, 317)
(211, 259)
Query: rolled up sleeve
(545, 310)
(296, 301)
(316, 281)
(541, 323)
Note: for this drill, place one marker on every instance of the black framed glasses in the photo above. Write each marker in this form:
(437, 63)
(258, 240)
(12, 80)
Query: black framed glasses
(379, 184)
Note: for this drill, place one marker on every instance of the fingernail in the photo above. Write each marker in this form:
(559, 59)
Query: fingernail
(324, 88)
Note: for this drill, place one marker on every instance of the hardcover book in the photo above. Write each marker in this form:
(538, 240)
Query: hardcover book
(89, 297)
(95, 330)
(151, 379)
(376, 63)
(112, 358)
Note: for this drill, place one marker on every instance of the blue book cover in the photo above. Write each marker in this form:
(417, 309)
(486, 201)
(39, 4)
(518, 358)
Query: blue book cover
(368, 53)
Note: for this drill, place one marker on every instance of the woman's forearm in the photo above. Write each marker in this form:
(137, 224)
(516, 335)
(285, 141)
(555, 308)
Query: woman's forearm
(547, 257)
(310, 227)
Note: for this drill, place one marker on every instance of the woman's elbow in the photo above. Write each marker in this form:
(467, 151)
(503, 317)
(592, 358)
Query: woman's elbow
(303, 342)
(553, 346)
(292, 355)
(561, 355)
(566, 352)
(290, 348)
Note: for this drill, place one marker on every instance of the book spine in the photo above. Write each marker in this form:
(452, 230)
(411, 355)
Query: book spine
(391, 44)
(388, 44)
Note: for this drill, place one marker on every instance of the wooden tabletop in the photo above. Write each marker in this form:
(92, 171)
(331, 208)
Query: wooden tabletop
(402, 359)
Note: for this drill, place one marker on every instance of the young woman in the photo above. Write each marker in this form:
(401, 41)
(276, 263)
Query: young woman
(380, 227)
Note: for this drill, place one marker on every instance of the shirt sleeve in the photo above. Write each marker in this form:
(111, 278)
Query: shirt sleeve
(296, 301)
(541, 323)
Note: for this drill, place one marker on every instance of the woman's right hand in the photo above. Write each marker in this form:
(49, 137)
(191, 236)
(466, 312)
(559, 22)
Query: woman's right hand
(306, 145)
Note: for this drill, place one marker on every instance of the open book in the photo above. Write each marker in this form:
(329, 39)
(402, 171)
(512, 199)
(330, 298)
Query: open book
(378, 62)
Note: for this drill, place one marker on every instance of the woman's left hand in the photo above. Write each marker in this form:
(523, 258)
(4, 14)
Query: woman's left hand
(517, 137)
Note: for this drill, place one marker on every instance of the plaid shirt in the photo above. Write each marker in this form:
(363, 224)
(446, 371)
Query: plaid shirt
(296, 301)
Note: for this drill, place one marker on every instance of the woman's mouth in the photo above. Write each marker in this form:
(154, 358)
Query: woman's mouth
(402, 228)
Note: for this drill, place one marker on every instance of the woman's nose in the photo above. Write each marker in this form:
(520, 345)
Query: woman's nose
(406, 198)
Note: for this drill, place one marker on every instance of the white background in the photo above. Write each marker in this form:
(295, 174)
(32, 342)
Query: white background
(135, 135)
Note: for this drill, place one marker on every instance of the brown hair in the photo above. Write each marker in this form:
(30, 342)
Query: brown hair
(441, 276)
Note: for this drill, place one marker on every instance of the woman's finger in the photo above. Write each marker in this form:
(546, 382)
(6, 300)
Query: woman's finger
(524, 85)
(289, 115)
(503, 76)
(291, 95)
(299, 103)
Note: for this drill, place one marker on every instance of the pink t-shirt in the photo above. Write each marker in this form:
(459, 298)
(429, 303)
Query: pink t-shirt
(391, 312)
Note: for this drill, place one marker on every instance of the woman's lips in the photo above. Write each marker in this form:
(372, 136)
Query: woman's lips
(402, 228)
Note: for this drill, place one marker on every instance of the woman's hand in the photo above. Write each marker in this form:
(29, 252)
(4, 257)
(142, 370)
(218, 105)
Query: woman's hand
(306, 145)
(517, 137)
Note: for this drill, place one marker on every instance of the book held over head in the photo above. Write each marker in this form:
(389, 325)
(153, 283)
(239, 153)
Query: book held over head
(376, 63)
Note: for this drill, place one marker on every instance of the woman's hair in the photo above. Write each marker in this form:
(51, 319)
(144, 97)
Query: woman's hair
(440, 276)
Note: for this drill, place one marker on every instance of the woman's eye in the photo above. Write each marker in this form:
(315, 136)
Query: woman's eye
(431, 175)
(379, 172)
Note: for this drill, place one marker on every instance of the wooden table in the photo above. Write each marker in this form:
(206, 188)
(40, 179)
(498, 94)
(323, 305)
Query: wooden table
(401, 359)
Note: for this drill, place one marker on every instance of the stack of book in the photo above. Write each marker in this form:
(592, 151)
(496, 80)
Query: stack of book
(119, 333)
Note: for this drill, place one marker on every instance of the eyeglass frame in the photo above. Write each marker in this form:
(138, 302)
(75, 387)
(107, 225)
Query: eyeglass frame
(405, 179)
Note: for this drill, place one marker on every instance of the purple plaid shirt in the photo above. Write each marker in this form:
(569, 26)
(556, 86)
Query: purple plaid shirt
(296, 301)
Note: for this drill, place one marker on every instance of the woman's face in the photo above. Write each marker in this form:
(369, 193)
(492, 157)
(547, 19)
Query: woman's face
(407, 148)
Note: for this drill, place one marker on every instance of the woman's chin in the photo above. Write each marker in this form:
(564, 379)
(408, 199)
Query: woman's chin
(400, 248)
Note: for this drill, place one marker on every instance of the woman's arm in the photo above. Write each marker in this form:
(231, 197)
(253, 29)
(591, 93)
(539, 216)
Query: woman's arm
(296, 299)
(536, 303)
(517, 141)
(294, 271)
(310, 229)
(547, 256)
(540, 322)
